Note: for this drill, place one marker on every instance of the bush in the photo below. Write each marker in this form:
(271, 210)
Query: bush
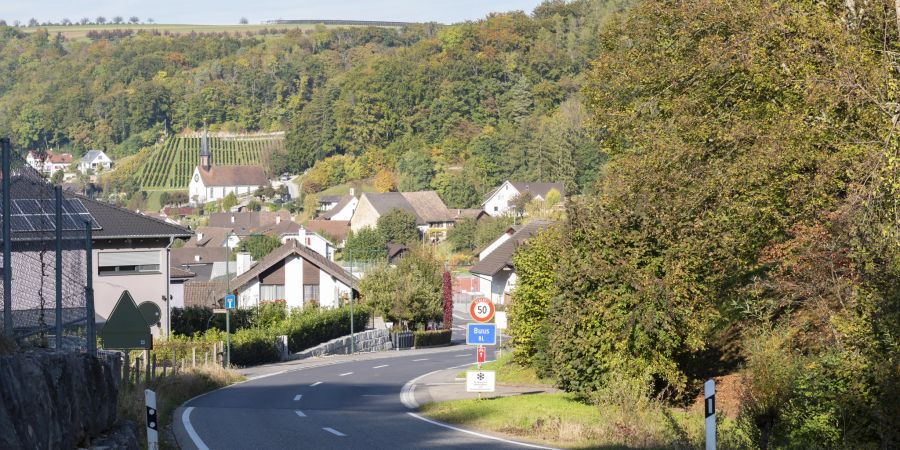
(431, 338)
(251, 346)
(308, 330)
(196, 319)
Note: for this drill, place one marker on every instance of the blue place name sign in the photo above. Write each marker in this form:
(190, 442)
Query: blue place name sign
(481, 334)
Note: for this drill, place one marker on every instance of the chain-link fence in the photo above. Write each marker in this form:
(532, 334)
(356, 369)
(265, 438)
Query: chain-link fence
(46, 257)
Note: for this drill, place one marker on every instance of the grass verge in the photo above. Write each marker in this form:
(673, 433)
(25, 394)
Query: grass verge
(171, 392)
(560, 420)
(509, 372)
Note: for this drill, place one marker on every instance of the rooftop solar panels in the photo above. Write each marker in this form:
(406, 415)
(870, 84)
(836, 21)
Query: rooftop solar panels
(31, 215)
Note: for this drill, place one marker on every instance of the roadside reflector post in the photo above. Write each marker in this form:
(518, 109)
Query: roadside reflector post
(152, 423)
(709, 406)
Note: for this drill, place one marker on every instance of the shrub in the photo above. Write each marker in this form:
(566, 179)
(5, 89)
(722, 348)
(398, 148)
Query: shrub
(251, 346)
(431, 338)
(308, 330)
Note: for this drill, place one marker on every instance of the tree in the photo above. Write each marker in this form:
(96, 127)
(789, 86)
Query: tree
(417, 169)
(462, 236)
(521, 201)
(243, 21)
(134, 19)
(32, 22)
(536, 263)
(260, 245)
(57, 177)
(384, 181)
(117, 20)
(100, 20)
(398, 226)
(85, 20)
(230, 201)
(66, 21)
(150, 20)
(410, 292)
(364, 245)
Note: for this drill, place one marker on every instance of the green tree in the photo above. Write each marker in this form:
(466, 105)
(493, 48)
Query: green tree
(536, 265)
(398, 226)
(260, 245)
(462, 236)
(366, 244)
(417, 169)
(410, 292)
(230, 201)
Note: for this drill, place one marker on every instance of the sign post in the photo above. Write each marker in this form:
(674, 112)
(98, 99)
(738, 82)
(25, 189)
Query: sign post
(152, 422)
(229, 305)
(709, 394)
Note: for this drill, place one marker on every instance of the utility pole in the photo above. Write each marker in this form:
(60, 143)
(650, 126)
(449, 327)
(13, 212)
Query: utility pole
(352, 337)
(7, 243)
(227, 310)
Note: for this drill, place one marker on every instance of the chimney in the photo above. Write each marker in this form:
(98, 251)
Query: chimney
(278, 219)
(232, 218)
(196, 258)
(199, 236)
(243, 262)
(353, 192)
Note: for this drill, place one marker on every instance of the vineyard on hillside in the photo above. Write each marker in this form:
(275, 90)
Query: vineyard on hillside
(171, 164)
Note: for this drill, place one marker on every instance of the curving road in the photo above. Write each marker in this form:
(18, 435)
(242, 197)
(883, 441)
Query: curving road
(340, 405)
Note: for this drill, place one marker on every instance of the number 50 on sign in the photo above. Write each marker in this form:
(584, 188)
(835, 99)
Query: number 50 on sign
(481, 309)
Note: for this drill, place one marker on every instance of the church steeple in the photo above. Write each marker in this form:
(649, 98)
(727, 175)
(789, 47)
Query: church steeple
(205, 156)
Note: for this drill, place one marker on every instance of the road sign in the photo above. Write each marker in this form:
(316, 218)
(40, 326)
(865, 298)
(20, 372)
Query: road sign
(126, 327)
(480, 354)
(481, 309)
(480, 380)
(229, 301)
(481, 334)
(151, 313)
(500, 320)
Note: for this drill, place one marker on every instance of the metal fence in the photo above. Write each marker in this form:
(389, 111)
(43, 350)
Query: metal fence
(47, 285)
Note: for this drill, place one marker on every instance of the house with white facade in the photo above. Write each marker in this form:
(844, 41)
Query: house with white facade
(296, 274)
(498, 201)
(432, 216)
(48, 163)
(211, 182)
(495, 265)
(341, 209)
(94, 160)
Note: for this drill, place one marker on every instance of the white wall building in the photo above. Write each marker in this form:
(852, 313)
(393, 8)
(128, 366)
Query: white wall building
(211, 183)
(48, 163)
(94, 160)
(498, 201)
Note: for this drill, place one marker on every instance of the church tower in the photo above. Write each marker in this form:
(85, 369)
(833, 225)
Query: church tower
(205, 156)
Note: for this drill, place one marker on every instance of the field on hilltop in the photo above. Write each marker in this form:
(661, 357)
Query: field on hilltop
(81, 31)
(169, 166)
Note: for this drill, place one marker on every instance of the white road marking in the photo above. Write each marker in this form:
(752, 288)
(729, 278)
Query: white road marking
(299, 413)
(315, 384)
(461, 356)
(421, 359)
(345, 374)
(484, 436)
(333, 431)
(373, 395)
(298, 397)
(408, 393)
(378, 367)
(186, 421)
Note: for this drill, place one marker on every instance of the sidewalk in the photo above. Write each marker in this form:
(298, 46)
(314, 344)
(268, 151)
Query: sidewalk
(443, 386)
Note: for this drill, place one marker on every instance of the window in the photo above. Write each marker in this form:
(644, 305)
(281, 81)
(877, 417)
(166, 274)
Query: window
(269, 292)
(310, 292)
(128, 263)
(495, 209)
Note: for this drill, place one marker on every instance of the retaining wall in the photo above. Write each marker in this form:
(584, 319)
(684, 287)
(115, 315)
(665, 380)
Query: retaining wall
(366, 341)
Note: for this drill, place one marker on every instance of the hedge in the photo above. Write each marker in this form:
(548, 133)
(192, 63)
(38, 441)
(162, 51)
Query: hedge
(308, 330)
(431, 338)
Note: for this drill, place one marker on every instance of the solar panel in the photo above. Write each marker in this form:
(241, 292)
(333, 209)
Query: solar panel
(40, 215)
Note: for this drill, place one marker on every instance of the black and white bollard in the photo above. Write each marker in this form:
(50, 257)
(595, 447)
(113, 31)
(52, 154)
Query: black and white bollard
(709, 397)
(152, 423)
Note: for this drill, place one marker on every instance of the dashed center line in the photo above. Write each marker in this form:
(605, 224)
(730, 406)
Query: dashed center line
(378, 367)
(298, 397)
(460, 356)
(420, 359)
(345, 374)
(333, 431)
(315, 384)
(299, 413)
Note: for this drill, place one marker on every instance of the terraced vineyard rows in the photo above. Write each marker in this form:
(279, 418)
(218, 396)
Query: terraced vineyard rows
(170, 166)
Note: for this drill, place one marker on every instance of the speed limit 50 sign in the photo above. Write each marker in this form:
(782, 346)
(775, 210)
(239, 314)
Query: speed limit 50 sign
(481, 309)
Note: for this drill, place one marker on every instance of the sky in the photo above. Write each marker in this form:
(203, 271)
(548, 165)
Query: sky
(224, 12)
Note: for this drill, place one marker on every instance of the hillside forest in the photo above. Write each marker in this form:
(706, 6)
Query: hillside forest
(732, 171)
(454, 108)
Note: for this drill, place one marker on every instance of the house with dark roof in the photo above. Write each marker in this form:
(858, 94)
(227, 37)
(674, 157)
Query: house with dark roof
(211, 182)
(48, 162)
(495, 265)
(498, 202)
(294, 273)
(94, 160)
(342, 209)
(432, 216)
(335, 231)
(130, 252)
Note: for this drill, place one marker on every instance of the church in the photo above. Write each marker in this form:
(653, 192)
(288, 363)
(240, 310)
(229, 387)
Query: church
(210, 182)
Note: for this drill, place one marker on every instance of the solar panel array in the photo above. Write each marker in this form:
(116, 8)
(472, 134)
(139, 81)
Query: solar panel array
(30, 215)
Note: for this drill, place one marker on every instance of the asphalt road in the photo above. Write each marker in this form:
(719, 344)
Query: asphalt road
(347, 405)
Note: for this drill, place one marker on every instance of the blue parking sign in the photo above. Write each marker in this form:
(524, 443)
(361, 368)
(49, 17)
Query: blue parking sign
(481, 334)
(229, 301)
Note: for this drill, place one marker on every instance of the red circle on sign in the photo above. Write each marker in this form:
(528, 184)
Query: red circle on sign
(481, 309)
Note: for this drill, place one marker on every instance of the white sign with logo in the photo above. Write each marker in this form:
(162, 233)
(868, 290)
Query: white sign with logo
(500, 320)
(480, 380)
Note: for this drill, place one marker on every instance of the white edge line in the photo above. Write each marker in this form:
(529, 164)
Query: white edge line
(298, 397)
(420, 359)
(378, 367)
(408, 393)
(186, 421)
(315, 384)
(299, 413)
(333, 431)
(474, 433)
(345, 374)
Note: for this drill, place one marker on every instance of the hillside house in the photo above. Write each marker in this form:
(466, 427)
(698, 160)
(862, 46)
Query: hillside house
(498, 201)
(211, 182)
(94, 160)
(432, 216)
(495, 266)
(48, 163)
(340, 208)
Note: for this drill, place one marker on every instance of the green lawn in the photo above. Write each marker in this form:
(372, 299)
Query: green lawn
(80, 31)
(344, 189)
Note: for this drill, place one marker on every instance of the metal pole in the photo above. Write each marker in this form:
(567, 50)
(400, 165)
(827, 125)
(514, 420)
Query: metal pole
(352, 339)
(59, 324)
(89, 290)
(7, 243)
(227, 311)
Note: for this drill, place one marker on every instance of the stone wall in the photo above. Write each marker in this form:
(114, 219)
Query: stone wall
(366, 341)
(54, 399)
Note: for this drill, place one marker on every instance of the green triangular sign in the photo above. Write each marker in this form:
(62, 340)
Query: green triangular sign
(126, 327)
